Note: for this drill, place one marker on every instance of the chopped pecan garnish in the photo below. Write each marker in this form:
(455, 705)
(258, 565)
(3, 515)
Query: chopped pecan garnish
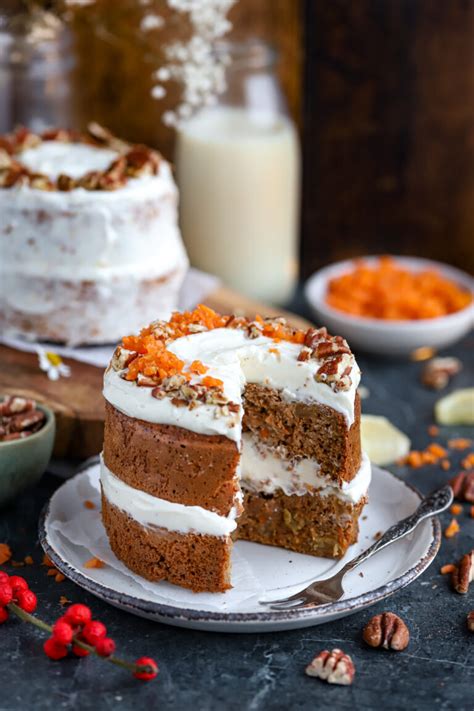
(19, 418)
(335, 371)
(464, 573)
(121, 358)
(438, 371)
(388, 631)
(65, 183)
(335, 667)
(141, 160)
(314, 335)
(463, 486)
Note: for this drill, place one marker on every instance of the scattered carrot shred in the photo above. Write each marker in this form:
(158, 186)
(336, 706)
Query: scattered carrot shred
(89, 504)
(94, 563)
(431, 455)
(468, 462)
(47, 561)
(460, 443)
(28, 560)
(452, 530)
(386, 290)
(449, 568)
(52, 571)
(456, 509)
(275, 351)
(17, 563)
(63, 600)
(59, 577)
(471, 511)
(5, 553)
(437, 450)
(422, 353)
(433, 430)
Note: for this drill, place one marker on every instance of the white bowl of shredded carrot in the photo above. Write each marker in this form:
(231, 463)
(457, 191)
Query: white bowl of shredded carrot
(393, 305)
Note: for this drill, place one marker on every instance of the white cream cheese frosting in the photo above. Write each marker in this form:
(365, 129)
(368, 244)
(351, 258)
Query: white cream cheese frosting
(264, 471)
(53, 158)
(235, 359)
(87, 265)
(151, 511)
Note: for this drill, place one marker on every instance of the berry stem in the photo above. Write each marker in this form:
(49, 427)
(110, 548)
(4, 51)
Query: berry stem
(27, 617)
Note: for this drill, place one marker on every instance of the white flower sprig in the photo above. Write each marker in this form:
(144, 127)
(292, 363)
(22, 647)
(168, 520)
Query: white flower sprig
(194, 64)
(52, 364)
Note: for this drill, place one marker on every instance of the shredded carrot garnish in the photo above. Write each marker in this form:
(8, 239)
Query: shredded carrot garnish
(198, 367)
(387, 290)
(449, 568)
(28, 560)
(89, 504)
(471, 512)
(275, 351)
(94, 563)
(433, 430)
(52, 571)
(47, 561)
(63, 600)
(445, 464)
(460, 443)
(452, 530)
(59, 577)
(5, 553)
(456, 509)
(209, 382)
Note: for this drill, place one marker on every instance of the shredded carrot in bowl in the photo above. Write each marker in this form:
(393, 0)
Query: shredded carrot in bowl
(387, 290)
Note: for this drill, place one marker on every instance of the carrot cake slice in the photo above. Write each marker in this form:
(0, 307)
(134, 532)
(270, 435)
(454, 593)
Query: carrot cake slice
(219, 428)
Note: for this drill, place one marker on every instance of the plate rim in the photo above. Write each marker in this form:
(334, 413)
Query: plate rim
(174, 612)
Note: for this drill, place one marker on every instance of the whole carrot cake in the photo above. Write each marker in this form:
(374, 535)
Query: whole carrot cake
(89, 240)
(219, 428)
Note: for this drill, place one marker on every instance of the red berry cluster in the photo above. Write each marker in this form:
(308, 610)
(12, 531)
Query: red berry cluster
(75, 626)
(77, 629)
(14, 589)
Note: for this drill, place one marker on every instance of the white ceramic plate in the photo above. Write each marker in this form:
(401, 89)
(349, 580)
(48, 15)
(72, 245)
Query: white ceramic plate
(397, 338)
(269, 572)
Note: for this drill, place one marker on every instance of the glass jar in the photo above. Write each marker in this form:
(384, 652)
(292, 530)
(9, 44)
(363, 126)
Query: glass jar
(238, 168)
(36, 62)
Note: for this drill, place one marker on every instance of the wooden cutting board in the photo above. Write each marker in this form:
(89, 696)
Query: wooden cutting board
(77, 401)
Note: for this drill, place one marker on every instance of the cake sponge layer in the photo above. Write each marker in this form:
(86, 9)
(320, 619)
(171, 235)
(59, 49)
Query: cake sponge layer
(318, 525)
(172, 463)
(313, 430)
(198, 562)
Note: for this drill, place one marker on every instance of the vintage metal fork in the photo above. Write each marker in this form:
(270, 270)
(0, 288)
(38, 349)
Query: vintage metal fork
(329, 590)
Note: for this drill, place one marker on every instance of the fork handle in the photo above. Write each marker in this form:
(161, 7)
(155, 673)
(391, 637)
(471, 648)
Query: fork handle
(430, 506)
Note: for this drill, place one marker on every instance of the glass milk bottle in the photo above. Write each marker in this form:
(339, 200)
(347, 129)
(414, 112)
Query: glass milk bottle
(238, 167)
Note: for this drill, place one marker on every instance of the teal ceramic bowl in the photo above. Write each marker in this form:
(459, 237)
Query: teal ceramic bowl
(24, 461)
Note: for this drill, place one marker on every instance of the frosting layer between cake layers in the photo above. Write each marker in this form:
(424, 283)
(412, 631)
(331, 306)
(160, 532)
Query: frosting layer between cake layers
(152, 511)
(235, 359)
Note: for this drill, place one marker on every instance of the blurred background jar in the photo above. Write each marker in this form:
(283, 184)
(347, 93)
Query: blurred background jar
(238, 169)
(36, 66)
